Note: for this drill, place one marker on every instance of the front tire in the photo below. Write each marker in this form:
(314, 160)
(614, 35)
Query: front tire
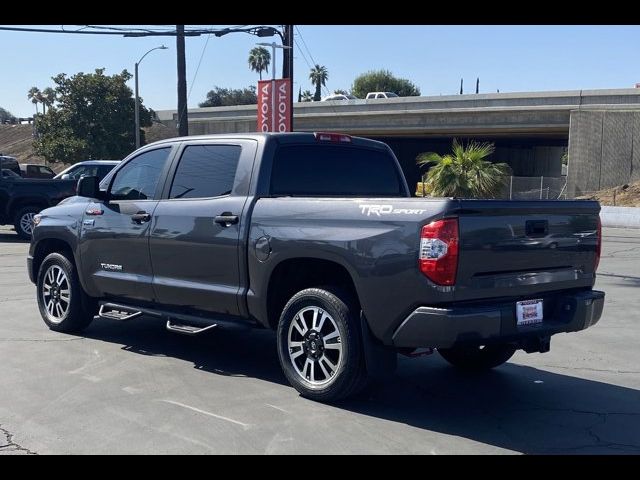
(320, 345)
(63, 304)
(23, 221)
(478, 358)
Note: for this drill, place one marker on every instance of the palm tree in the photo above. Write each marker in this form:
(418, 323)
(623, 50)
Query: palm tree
(259, 60)
(464, 172)
(35, 96)
(48, 97)
(307, 96)
(318, 77)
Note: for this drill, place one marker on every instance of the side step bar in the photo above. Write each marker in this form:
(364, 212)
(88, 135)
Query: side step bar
(176, 322)
(188, 329)
(118, 312)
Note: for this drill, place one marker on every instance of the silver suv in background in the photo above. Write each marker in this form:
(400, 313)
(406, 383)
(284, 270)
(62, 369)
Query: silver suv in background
(338, 96)
(371, 95)
(90, 168)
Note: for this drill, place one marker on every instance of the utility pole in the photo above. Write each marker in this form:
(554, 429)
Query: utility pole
(287, 65)
(183, 118)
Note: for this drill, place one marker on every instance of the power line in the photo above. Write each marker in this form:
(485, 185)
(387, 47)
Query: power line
(193, 80)
(98, 30)
(302, 53)
(305, 45)
(328, 92)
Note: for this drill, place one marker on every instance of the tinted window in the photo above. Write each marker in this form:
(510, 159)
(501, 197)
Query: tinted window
(206, 171)
(391, 95)
(138, 179)
(328, 170)
(103, 170)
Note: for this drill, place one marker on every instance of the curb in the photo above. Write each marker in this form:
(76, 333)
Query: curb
(620, 217)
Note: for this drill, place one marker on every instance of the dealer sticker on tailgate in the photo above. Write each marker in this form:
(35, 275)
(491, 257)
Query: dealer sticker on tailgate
(529, 312)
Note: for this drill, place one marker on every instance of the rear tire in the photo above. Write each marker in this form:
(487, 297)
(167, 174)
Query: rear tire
(63, 304)
(478, 358)
(321, 353)
(23, 221)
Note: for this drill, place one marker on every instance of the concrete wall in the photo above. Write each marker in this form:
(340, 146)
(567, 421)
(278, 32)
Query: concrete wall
(621, 217)
(604, 149)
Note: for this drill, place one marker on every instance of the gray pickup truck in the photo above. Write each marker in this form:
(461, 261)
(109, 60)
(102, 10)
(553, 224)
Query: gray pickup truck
(315, 236)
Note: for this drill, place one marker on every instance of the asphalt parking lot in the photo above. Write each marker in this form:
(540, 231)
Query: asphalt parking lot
(136, 388)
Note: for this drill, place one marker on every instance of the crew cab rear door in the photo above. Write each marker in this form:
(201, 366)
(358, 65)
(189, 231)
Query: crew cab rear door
(195, 245)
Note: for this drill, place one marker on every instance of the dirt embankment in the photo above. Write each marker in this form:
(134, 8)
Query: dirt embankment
(621, 196)
(17, 141)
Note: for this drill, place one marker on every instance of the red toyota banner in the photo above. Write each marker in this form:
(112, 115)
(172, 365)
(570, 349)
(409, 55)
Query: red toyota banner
(273, 105)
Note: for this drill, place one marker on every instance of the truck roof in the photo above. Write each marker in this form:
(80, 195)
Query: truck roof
(288, 137)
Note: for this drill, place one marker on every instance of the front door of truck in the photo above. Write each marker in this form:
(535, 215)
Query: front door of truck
(195, 241)
(114, 239)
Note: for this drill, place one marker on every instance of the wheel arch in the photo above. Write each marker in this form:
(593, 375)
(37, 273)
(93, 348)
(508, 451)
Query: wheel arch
(47, 246)
(291, 275)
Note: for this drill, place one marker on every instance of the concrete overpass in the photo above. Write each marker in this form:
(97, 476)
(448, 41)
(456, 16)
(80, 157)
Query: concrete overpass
(531, 130)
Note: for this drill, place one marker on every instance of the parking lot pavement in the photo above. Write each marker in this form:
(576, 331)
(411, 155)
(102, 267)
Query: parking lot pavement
(136, 388)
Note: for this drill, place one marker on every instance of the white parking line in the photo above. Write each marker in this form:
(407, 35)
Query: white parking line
(204, 412)
(277, 408)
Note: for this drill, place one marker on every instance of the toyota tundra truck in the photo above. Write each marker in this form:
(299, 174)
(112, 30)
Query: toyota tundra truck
(316, 237)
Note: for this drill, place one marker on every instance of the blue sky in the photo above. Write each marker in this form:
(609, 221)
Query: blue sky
(509, 58)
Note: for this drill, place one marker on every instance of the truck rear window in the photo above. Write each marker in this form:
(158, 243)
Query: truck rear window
(332, 170)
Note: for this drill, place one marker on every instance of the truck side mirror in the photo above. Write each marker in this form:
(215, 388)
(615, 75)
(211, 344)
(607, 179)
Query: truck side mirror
(89, 187)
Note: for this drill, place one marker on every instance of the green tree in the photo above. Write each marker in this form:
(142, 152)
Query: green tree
(318, 76)
(93, 117)
(222, 97)
(35, 96)
(307, 96)
(259, 60)
(340, 92)
(6, 116)
(383, 81)
(464, 173)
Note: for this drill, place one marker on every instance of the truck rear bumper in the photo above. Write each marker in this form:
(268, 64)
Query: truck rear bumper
(446, 327)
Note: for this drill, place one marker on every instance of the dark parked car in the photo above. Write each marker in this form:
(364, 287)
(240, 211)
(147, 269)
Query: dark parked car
(6, 173)
(9, 163)
(21, 198)
(90, 168)
(315, 236)
(31, 170)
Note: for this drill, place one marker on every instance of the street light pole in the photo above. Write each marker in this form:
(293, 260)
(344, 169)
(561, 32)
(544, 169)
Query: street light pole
(137, 108)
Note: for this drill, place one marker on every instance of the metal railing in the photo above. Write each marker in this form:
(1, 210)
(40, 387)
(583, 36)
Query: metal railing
(524, 188)
(535, 188)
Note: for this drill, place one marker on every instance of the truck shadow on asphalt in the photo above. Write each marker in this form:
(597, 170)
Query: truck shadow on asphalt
(515, 407)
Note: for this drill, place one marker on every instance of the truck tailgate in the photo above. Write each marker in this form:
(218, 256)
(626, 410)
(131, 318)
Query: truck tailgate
(522, 248)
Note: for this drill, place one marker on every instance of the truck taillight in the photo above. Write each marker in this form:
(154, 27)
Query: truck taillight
(598, 245)
(439, 251)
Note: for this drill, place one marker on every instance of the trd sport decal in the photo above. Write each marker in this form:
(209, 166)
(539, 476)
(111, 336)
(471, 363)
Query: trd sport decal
(379, 210)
